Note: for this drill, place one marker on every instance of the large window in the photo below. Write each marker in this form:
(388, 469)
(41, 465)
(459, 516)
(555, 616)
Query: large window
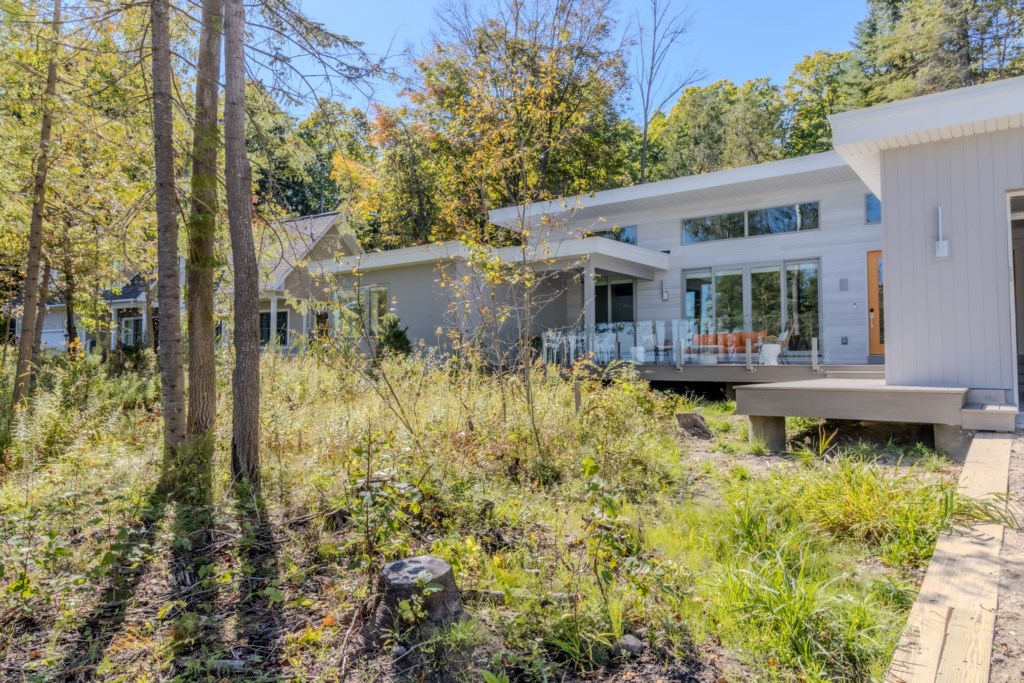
(802, 317)
(753, 223)
(361, 309)
(779, 299)
(280, 328)
(708, 228)
(131, 332)
(766, 298)
(699, 304)
(729, 300)
(613, 301)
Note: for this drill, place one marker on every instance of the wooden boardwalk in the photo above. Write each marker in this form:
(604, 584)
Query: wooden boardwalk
(949, 632)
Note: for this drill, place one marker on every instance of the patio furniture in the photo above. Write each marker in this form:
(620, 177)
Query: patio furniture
(645, 338)
(604, 347)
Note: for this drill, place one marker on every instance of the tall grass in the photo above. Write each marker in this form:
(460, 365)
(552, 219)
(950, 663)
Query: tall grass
(597, 530)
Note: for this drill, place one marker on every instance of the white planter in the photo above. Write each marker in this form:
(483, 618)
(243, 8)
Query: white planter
(770, 354)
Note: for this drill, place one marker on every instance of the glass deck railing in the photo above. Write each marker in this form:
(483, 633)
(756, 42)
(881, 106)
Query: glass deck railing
(681, 342)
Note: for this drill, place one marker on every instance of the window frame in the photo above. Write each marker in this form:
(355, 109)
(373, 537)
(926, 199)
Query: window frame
(798, 208)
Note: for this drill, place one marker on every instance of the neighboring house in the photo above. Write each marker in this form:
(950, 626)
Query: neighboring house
(285, 290)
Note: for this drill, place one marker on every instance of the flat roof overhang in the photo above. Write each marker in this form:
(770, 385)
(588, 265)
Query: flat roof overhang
(861, 136)
(676, 194)
(605, 255)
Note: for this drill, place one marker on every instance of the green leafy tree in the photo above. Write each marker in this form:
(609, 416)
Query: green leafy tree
(693, 137)
(814, 92)
(905, 48)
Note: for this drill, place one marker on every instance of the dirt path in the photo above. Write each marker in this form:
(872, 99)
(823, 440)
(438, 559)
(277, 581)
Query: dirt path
(1008, 646)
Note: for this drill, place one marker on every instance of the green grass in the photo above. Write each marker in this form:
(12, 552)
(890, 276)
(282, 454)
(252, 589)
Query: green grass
(588, 525)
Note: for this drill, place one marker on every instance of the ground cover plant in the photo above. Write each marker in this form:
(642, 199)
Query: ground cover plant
(571, 510)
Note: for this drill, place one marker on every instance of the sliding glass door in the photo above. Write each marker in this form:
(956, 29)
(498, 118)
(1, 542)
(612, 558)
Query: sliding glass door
(613, 301)
(802, 315)
(778, 299)
(766, 299)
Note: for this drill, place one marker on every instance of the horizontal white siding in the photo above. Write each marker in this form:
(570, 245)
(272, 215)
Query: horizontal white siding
(950, 322)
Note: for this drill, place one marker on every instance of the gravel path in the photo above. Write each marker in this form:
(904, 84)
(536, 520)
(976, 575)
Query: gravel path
(1008, 646)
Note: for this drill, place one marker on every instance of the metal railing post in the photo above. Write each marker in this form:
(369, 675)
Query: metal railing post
(814, 355)
(750, 358)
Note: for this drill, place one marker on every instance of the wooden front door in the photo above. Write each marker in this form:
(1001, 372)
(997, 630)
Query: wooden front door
(876, 303)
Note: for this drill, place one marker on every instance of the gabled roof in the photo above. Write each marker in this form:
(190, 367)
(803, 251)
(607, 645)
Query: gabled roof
(684, 194)
(133, 290)
(286, 245)
(860, 136)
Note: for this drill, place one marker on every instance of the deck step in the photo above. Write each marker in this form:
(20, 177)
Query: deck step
(988, 417)
(856, 374)
(852, 399)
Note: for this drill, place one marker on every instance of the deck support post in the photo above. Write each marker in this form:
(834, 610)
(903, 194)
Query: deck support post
(589, 307)
(952, 440)
(769, 430)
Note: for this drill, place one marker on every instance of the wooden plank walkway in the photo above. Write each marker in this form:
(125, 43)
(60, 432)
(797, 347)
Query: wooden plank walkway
(949, 632)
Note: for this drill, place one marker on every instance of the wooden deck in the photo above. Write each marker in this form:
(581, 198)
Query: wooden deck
(760, 374)
(948, 636)
(871, 399)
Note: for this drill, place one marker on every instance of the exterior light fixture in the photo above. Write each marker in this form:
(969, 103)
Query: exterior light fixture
(664, 291)
(941, 244)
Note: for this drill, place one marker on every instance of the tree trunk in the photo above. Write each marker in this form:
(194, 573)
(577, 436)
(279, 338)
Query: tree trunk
(245, 380)
(23, 369)
(69, 293)
(202, 379)
(44, 293)
(168, 287)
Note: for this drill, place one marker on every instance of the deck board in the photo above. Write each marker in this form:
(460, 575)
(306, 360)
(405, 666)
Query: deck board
(948, 636)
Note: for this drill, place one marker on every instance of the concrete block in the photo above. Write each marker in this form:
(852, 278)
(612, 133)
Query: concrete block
(953, 441)
(769, 430)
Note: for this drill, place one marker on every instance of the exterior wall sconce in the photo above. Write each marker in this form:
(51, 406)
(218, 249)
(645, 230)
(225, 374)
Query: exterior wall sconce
(664, 291)
(941, 244)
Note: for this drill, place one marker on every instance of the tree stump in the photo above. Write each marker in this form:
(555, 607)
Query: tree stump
(410, 579)
(692, 424)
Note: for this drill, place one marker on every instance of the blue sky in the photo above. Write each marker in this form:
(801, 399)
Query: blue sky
(734, 39)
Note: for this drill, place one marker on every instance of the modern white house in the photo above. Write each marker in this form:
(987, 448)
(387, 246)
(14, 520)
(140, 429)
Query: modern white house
(873, 282)
(879, 276)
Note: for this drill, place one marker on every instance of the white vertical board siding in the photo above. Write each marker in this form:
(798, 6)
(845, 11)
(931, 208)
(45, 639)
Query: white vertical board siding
(840, 246)
(950, 322)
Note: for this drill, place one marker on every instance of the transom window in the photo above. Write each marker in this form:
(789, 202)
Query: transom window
(752, 223)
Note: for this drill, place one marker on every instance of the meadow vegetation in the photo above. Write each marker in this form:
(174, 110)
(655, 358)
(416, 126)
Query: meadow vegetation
(567, 528)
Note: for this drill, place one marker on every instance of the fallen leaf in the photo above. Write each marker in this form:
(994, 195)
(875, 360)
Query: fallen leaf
(329, 620)
(36, 654)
